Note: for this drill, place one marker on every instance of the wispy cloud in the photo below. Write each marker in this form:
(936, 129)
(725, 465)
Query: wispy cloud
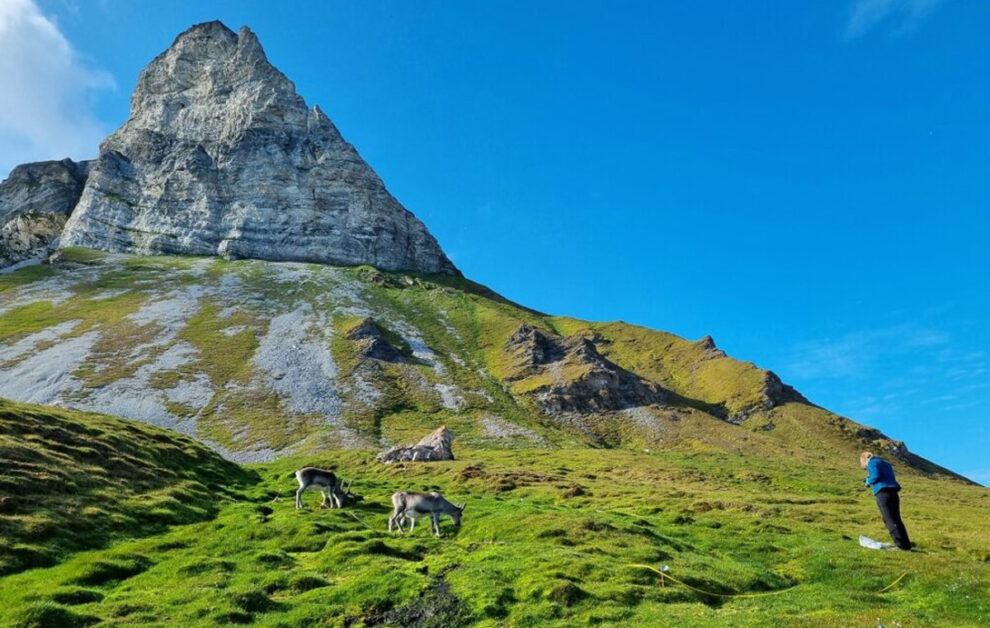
(855, 353)
(907, 373)
(46, 90)
(902, 16)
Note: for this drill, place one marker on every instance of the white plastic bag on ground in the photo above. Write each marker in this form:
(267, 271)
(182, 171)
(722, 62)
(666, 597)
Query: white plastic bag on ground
(869, 543)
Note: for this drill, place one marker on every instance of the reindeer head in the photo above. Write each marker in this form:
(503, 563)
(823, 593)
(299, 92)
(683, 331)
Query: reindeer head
(343, 492)
(458, 513)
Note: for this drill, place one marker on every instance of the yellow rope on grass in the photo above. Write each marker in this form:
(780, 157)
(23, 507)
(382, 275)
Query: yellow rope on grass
(666, 574)
(358, 519)
(891, 585)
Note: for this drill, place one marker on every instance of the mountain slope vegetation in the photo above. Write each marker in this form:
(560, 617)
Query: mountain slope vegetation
(72, 481)
(551, 537)
(263, 359)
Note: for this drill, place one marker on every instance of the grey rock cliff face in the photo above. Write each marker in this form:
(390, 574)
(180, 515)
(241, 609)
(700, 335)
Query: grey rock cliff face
(35, 201)
(579, 379)
(220, 156)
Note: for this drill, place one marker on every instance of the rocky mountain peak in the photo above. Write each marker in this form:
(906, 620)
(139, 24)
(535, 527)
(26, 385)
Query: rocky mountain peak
(221, 156)
(190, 90)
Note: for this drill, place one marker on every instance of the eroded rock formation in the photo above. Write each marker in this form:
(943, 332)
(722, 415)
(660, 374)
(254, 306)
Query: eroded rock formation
(434, 446)
(35, 201)
(372, 343)
(570, 375)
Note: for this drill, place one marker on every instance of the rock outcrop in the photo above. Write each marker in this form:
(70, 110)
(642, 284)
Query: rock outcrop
(772, 393)
(221, 156)
(434, 446)
(372, 343)
(873, 437)
(569, 375)
(35, 202)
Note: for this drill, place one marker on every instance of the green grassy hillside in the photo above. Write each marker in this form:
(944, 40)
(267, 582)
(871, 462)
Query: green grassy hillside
(261, 360)
(71, 481)
(548, 539)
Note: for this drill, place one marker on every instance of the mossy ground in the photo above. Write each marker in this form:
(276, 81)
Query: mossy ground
(547, 539)
(71, 481)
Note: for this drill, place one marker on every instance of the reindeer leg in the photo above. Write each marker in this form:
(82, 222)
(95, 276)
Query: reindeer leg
(299, 497)
(323, 504)
(396, 519)
(435, 519)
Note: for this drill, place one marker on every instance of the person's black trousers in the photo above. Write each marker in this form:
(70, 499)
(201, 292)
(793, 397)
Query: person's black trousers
(890, 507)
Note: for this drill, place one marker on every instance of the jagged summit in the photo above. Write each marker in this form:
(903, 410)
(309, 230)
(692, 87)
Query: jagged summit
(221, 156)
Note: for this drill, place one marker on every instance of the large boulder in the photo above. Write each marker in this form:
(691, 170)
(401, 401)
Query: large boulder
(435, 446)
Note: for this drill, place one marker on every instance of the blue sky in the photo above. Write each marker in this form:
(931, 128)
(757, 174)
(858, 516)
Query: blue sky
(806, 182)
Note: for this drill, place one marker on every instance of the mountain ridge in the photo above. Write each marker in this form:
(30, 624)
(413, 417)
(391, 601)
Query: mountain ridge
(261, 360)
(221, 160)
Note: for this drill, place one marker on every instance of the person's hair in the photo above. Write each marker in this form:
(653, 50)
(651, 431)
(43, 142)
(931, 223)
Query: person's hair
(865, 457)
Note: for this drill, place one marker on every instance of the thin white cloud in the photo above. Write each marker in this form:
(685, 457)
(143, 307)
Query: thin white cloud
(856, 352)
(900, 15)
(46, 91)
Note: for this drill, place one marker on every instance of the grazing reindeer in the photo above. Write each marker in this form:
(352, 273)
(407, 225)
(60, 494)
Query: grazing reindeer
(409, 506)
(328, 483)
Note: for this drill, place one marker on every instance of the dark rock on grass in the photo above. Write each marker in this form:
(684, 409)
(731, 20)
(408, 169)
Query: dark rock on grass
(434, 446)
(373, 342)
(436, 607)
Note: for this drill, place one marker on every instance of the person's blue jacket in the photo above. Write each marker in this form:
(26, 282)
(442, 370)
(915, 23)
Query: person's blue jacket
(881, 475)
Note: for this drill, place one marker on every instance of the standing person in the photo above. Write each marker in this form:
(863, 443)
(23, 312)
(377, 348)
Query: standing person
(886, 490)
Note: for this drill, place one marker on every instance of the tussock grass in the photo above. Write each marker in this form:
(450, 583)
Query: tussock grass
(72, 480)
(547, 540)
(103, 520)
